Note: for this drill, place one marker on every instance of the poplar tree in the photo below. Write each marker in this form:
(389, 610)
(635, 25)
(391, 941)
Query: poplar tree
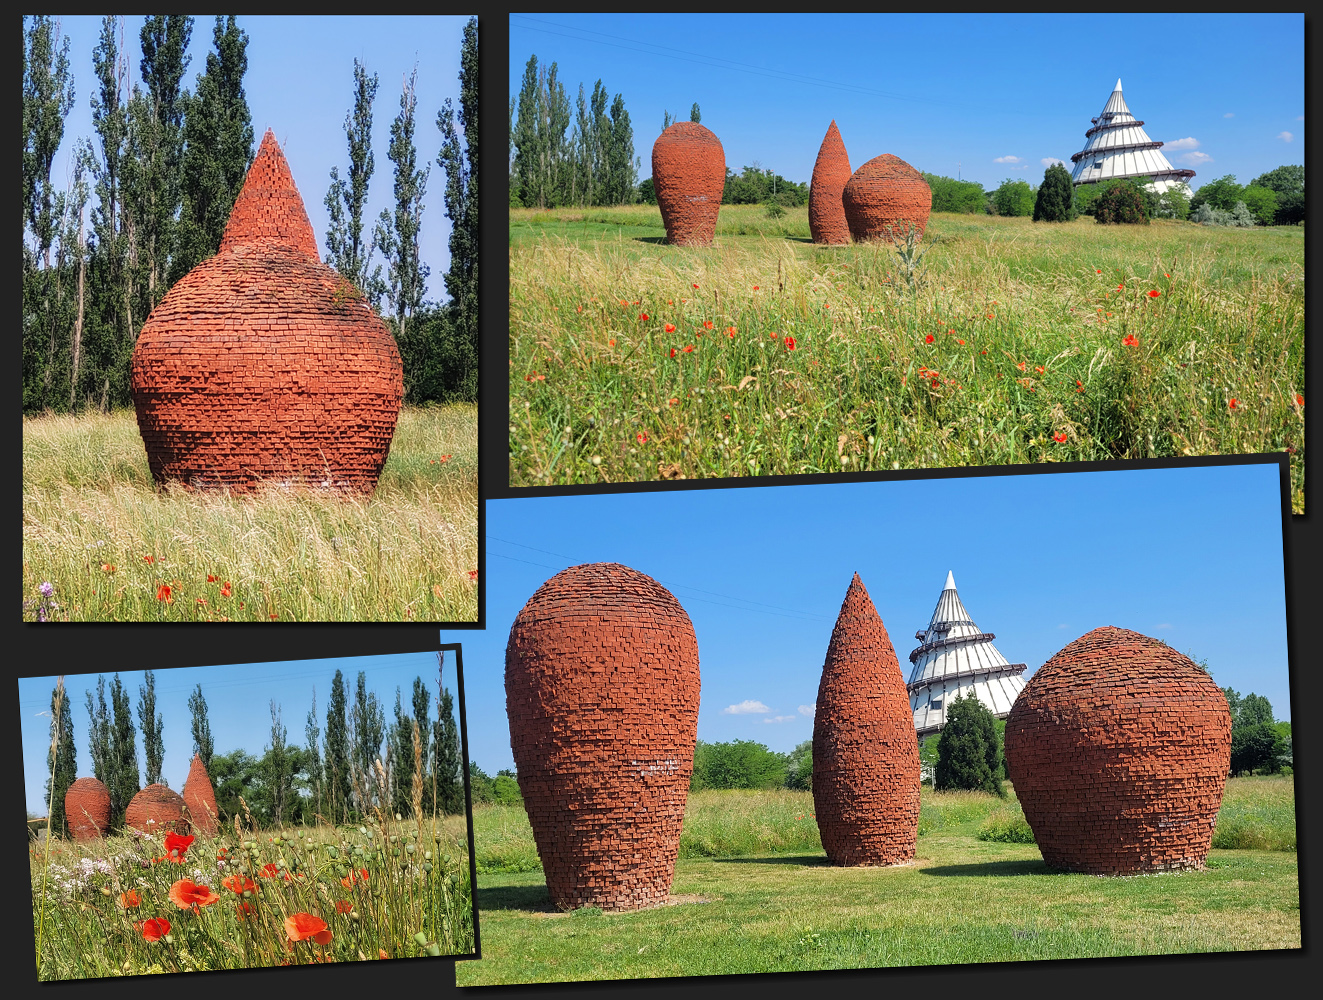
(312, 733)
(422, 702)
(694, 115)
(368, 722)
(397, 234)
(337, 751)
(446, 750)
(344, 201)
(61, 761)
(123, 782)
(202, 743)
(401, 751)
(622, 165)
(98, 733)
(279, 778)
(150, 720)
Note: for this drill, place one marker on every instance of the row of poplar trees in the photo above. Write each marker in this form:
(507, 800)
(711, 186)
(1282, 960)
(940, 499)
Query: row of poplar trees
(148, 198)
(357, 764)
(552, 164)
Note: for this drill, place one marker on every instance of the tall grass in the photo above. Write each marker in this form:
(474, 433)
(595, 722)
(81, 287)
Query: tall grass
(1022, 343)
(108, 541)
(1258, 813)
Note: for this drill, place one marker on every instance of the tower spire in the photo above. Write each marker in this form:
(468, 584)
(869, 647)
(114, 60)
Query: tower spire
(1118, 147)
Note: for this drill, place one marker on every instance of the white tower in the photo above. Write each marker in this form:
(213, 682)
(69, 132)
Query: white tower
(955, 658)
(1119, 147)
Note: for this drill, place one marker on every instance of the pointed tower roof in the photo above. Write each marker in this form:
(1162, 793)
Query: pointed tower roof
(269, 208)
(954, 657)
(1119, 147)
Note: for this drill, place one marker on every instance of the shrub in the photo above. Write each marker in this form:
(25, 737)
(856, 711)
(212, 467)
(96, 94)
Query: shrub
(1262, 203)
(505, 791)
(1055, 202)
(1241, 216)
(968, 752)
(1173, 204)
(647, 192)
(799, 767)
(951, 195)
(1013, 198)
(1222, 194)
(1005, 827)
(1086, 198)
(737, 764)
(1207, 215)
(773, 210)
(1122, 202)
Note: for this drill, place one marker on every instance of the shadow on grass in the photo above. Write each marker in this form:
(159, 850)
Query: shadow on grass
(804, 860)
(534, 898)
(995, 868)
(658, 240)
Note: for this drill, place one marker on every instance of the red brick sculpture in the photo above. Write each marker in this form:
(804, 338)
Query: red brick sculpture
(156, 809)
(882, 196)
(1118, 748)
(87, 809)
(200, 799)
(688, 174)
(831, 172)
(601, 689)
(865, 753)
(262, 363)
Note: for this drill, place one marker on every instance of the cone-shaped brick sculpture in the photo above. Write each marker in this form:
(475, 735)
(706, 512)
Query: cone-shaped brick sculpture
(830, 174)
(87, 809)
(883, 196)
(1118, 748)
(688, 174)
(157, 808)
(601, 688)
(865, 753)
(200, 799)
(262, 363)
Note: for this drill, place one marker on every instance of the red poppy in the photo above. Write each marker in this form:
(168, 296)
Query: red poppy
(641, 437)
(672, 352)
(1079, 386)
(990, 316)
(929, 339)
(643, 316)
(176, 844)
(473, 574)
(343, 906)
(961, 343)
(1299, 399)
(689, 348)
(149, 559)
(129, 900)
(1169, 276)
(1154, 294)
(708, 325)
(755, 288)
(243, 909)
(790, 343)
(1059, 438)
(1130, 340)
(381, 953)
(202, 600)
(239, 884)
(107, 568)
(611, 342)
(673, 401)
(730, 332)
(1039, 369)
(670, 302)
(1231, 403)
(670, 327)
(983, 352)
(186, 893)
(623, 303)
(1099, 270)
(268, 871)
(154, 930)
(301, 926)
(163, 593)
(1020, 366)
(1120, 287)
(225, 590)
(695, 285)
(211, 578)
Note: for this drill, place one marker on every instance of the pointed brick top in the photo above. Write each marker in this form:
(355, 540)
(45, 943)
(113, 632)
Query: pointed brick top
(831, 172)
(269, 207)
(857, 603)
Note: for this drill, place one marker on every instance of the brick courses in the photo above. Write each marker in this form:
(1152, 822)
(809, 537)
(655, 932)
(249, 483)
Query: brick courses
(688, 174)
(87, 809)
(601, 683)
(1119, 748)
(865, 752)
(831, 172)
(200, 799)
(262, 363)
(155, 809)
(884, 194)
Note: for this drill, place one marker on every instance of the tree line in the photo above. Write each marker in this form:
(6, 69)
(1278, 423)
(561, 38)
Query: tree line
(149, 196)
(357, 764)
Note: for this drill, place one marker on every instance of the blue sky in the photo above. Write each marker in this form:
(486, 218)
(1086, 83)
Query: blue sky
(238, 706)
(300, 83)
(1192, 556)
(983, 96)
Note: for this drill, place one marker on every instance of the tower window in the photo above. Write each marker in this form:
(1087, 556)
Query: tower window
(935, 704)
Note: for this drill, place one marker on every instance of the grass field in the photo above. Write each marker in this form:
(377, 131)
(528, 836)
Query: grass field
(107, 541)
(121, 906)
(1020, 343)
(754, 893)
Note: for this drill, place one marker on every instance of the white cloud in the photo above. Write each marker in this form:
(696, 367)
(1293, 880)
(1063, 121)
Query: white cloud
(1285, 136)
(1163, 625)
(746, 708)
(1047, 161)
(807, 709)
(1189, 142)
(1229, 114)
(1007, 159)
(781, 718)
(1063, 625)
(1195, 158)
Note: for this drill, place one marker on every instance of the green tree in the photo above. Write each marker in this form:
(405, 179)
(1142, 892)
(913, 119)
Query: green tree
(234, 774)
(694, 115)
(337, 752)
(61, 761)
(505, 790)
(201, 727)
(48, 97)
(928, 756)
(278, 767)
(98, 733)
(345, 250)
(1288, 182)
(1013, 197)
(397, 234)
(1122, 202)
(1174, 203)
(401, 753)
(367, 722)
(951, 195)
(153, 745)
(621, 165)
(1253, 747)
(312, 733)
(1262, 203)
(647, 193)
(123, 753)
(480, 784)
(1056, 197)
(1221, 194)
(799, 767)
(422, 705)
(968, 752)
(447, 765)
(737, 764)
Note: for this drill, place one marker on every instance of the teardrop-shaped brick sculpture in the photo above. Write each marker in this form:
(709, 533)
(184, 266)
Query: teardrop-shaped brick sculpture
(87, 809)
(200, 799)
(1118, 748)
(601, 689)
(262, 363)
(885, 196)
(688, 174)
(157, 808)
(831, 172)
(865, 752)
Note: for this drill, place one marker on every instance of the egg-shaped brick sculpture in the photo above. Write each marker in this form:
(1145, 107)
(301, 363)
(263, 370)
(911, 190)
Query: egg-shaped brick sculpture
(601, 688)
(264, 364)
(884, 197)
(200, 799)
(155, 809)
(87, 809)
(831, 172)
(865, 752)
(1118, 748)
(688, 175)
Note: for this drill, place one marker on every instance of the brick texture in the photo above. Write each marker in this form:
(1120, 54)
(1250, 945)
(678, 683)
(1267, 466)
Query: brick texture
(688, 174)
(884, 194)
(157, 808)
(1119, 748)
(87, 808)
(865, 753)
(601, 687)
(200, 799)
(831, 172)
(262, 363)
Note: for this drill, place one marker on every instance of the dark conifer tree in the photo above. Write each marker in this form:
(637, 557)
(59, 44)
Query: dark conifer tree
(337, 751)
(1056, 196)
(694, 115)
(401, 752)
(969, 754)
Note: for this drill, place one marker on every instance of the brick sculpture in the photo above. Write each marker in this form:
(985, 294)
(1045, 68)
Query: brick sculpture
(688, 174)
(831, 172)
(262, 363)
(865, 753)
(200, 799)
(87, 809)
(1119, 748)
(155, 809)
(601, 689)
(882, 196)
